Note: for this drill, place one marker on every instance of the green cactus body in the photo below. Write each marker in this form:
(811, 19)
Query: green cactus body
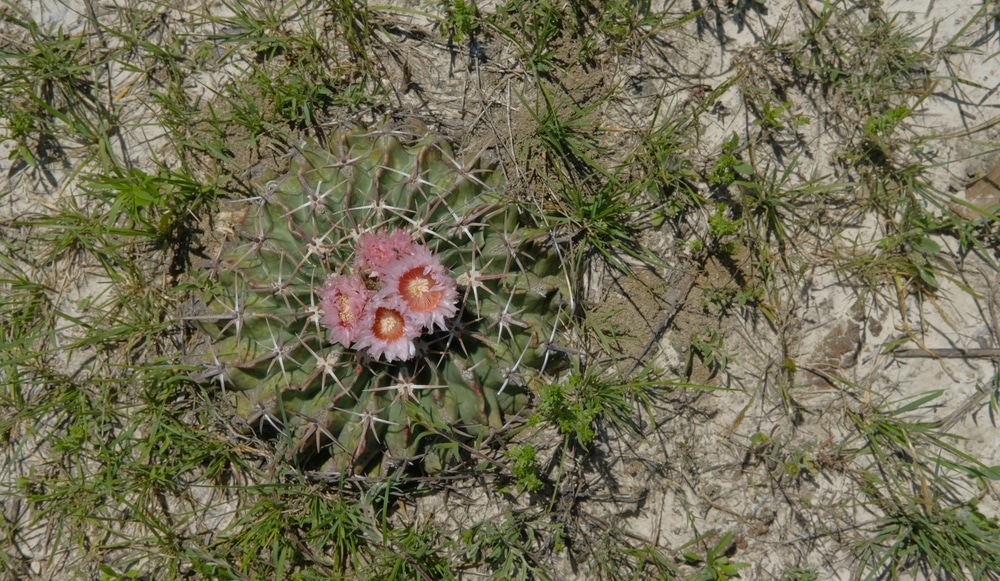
(341, 407)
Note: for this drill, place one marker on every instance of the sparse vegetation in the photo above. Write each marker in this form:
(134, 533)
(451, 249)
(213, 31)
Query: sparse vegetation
(806, 199)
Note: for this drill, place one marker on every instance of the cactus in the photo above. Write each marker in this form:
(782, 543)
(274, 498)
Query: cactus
(287, 274)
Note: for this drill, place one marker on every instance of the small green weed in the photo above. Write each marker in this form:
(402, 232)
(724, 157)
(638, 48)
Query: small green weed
(48, 91)
(710, 350)
(723, 230)
(293, 528)
(715, 563)
(27, 317)
(616, 557)
(461, 19)
(664, 173)
(589, 203)
(152, 206)
(785, 462)
(728, 167)
(585, 398)
(956, 542)
(565, 134)
(562, 405)
(509, 546)
(720, 225)
(620, 24)
(576, 405)
(877, 133)
(773, 117)
(525, 468)
(534, 27)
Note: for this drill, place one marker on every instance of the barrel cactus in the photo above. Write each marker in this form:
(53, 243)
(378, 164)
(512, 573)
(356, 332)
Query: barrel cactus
(379, 302)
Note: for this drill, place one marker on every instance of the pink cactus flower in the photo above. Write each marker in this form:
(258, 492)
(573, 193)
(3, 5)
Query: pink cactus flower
(398, 290)
(425, 288)
(387, 331)
(375, 252)
(343, 300)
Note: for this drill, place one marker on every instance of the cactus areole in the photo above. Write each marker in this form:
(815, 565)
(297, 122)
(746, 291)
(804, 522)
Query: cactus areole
(379, 303)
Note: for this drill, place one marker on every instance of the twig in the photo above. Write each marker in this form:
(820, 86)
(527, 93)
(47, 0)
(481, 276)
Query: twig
(946, 353)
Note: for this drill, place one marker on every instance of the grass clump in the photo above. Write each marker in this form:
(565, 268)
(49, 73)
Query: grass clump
(919, 478)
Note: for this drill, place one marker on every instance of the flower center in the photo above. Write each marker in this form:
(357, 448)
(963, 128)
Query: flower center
(415, 286)
(388, 324)
(346, 316)
(418, 287)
